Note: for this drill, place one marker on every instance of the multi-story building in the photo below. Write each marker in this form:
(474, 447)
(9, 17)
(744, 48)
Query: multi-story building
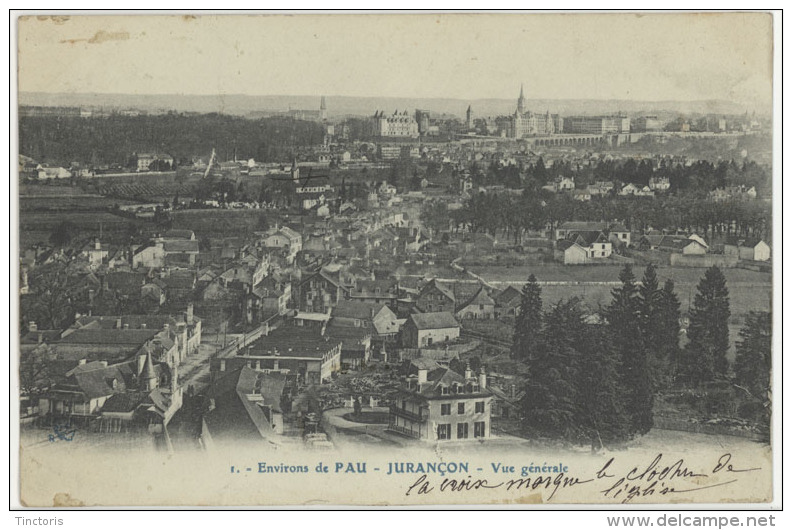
(425, 329)
(440, 404)
(397, 125)
(435, 296)
(307, 353)
(144, 160)
(596, 124)
(320, 291)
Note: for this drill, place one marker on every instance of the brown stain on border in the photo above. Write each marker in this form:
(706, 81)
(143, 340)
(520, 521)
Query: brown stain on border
(100, 37)
(64, 500)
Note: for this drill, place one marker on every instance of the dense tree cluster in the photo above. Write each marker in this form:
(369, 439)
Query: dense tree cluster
(592, 378)
(753, 362)
(112, 139)
(511, 215)
(701, 175)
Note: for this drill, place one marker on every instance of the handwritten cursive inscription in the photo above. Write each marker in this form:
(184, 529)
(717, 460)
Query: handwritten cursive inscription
(658, 477)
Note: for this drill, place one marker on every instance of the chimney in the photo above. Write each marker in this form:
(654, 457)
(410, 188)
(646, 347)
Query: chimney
(468, 372)
(91, 294)
(98, 245)
(513, 391)
(190, 314)
(222, 365)
(482, 379)
(166, 327)
(40, 338)
(118, 323)
(211, 404)
(143, 325)
(126, 326)
(81, 362)
(265, 329)
(422, 375)
(32, 326)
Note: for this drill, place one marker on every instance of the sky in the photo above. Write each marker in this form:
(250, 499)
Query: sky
(646, 57)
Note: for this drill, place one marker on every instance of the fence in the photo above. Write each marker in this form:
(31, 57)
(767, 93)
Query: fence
(755, 266)
(681, 260)
(707, 260)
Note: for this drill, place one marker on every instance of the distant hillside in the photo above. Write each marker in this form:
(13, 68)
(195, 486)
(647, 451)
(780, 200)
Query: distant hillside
(237, 104)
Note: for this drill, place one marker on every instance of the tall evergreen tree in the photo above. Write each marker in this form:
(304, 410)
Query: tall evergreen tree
(528, 324)
(602, 418)
(705, 353)
(753, 360)
(626, 338)
(550, 402)
(649, 307)
(668, 338)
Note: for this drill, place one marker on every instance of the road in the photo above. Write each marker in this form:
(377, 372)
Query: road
(194, 370)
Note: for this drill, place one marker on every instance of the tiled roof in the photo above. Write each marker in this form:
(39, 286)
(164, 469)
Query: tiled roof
(508, 295)
(565, 244)
(588, 237)
(99, 383)
(440, 287)
(437, 379)
(109, 336)
(676, 242)
(479, 298)
(437, 320)
(294, 341)
(179, 245)
(356, 310)
(124, 402)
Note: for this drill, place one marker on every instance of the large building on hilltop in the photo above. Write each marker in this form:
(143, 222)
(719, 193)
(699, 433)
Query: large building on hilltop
(597, 124)
(398, 125)
(526, 123)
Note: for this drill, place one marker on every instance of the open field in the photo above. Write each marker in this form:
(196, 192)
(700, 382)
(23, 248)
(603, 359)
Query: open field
(748, 290)
(35, 227)
(86, 202)
(221, 222)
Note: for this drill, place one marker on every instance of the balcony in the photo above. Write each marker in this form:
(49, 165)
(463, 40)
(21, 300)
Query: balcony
(406, 414)
(403, 431)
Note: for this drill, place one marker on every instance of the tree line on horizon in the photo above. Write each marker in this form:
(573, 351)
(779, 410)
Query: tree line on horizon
(112, 139)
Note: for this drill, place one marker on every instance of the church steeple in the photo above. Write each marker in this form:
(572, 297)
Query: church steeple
(521, 101)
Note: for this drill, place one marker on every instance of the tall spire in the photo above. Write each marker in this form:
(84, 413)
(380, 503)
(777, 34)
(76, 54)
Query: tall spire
(148, 374)
(521, 101)
(323, 104)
